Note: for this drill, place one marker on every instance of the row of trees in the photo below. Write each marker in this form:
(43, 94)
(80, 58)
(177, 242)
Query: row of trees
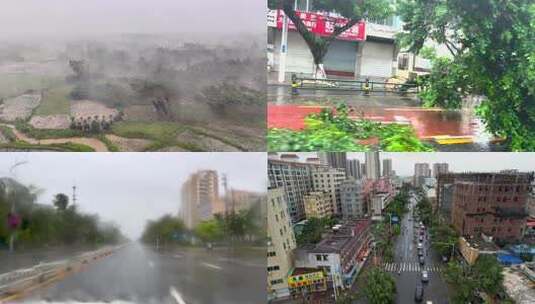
(245, 226)
(94, 124)
(43, 225)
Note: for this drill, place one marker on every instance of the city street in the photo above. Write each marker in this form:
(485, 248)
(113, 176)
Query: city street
(406, 267)
(138, 274)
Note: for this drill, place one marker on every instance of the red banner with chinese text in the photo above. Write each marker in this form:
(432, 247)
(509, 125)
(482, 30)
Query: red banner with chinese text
(323, 25)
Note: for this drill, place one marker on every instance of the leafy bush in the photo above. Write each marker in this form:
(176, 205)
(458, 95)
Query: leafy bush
(334, 131)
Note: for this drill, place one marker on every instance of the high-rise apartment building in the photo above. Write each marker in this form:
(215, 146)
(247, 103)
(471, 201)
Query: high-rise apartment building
(333, 159)
(387, 167)
(200, 198)
(328, 180)
(421, 172)
(373, 165)
(352, 199)
(281, 243)
(440, 168)
(295, 180)
(353, 168)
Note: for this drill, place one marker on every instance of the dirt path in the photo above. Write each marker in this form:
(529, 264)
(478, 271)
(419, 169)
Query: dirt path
(94, 143)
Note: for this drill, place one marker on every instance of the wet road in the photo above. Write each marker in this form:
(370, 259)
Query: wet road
(406, 260)
(138, 274)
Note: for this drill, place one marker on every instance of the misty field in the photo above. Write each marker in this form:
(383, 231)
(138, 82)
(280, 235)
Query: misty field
(55, 101)
(12, 85)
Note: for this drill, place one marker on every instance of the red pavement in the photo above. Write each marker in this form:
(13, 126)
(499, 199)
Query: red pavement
(426, 122)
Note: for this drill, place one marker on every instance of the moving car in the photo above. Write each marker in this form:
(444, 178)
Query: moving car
(419, 293)
(425, 276)
(420, 245)
(420, 252)
(422, 260)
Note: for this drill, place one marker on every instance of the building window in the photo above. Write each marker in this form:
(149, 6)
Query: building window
(271, 254)
(273, 268)
(275, 282)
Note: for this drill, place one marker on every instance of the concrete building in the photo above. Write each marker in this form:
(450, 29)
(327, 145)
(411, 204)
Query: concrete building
(352, 199)
(387, 167)
(363, 170)
(368, 51)
(237, 200)
(326, 179)
(341, 254)
(421, 172)
(440, 168)
(296, 180)
(281, 244)
(318, 204)
(491, 203)
(373, 165)
(444, 194)
(353, 169)
(333, 159)
(200, 198)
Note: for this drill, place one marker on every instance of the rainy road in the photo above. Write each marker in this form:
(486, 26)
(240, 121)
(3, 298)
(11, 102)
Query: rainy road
(138, 274)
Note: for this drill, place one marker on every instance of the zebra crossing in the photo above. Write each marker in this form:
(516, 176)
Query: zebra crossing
(410, 267)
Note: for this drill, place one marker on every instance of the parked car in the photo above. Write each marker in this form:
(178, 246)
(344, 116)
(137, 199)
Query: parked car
(419, 293)
(444, 259)
(425, 276)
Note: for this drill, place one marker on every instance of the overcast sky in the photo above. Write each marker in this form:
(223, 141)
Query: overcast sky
(131, 16)
(403, 163)
(130, 188)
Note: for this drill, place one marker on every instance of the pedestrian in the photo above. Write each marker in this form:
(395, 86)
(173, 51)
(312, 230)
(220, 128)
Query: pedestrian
(294, 85)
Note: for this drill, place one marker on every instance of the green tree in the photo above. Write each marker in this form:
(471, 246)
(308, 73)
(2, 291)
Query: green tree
(210, 231)
(61, 201)
(380, 287)
(492, 47)
(354, 10)
(488, 274)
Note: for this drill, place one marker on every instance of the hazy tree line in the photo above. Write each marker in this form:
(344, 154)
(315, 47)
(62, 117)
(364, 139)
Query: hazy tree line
(48, 225)
(242, 227)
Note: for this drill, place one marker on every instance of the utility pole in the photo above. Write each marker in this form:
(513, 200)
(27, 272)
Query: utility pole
(283, 49)
(74, 195)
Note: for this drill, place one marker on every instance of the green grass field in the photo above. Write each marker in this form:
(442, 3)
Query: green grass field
(55, 101)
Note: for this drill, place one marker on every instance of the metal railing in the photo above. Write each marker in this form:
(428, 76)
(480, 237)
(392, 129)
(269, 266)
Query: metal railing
(355, 85)
(18, 280)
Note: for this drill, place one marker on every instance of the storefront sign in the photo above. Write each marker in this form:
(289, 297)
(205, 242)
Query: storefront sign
(323, 25)
(305, 279)
(272, 18)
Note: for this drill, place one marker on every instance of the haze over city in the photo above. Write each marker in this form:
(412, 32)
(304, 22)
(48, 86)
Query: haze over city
(403, 163)
(130, 188)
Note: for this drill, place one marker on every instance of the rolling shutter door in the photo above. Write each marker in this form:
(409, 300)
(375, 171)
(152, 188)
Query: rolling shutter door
(341, 58)
(299, 59)
(377, 59)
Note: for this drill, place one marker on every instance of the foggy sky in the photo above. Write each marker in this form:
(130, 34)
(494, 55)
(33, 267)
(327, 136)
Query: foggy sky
(403, 163)
(130, 188)
(67, 17)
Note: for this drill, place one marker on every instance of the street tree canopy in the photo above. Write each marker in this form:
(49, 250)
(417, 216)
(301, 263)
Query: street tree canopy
(492, 47)
(353, 10)
(380, 288)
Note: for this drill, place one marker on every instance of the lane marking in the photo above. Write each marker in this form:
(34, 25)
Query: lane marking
(212, 266)
(176, 295)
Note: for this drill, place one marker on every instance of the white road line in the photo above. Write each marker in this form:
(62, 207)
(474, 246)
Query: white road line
(212, 266)
(176, 295)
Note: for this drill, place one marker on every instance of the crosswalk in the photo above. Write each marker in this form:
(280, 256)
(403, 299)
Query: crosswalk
(410, 267)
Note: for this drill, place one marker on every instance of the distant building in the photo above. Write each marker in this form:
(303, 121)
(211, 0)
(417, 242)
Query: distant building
(341, 254)
(237, 200)
(318, 204)
(200, 198)
(281, 243)
(333, 159)
(353, 169)
(373, 165)
(440, 168)
(491, 203)
(326, 179)
(421, 172)
(352, 199)
(363, 170)
(387, 167)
